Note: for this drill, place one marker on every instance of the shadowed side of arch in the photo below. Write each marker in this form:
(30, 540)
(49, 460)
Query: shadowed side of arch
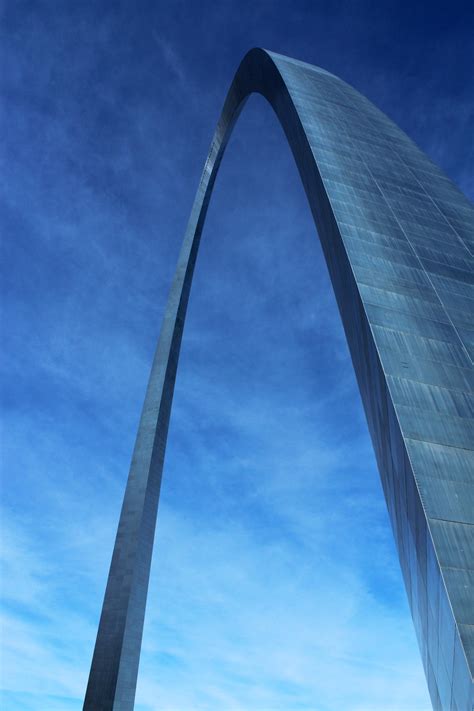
(398, 241)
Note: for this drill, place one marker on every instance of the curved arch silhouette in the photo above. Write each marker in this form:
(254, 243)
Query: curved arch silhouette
(398, 240)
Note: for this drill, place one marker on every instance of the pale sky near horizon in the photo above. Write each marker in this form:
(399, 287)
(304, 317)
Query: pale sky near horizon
(275, 583)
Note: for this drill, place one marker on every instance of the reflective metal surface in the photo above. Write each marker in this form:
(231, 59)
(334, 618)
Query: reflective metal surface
(398, 238)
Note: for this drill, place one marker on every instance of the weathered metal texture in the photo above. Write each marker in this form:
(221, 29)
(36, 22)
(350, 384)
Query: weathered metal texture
(398, 238)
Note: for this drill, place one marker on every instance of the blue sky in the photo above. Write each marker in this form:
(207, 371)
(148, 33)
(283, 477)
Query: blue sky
(275, 582)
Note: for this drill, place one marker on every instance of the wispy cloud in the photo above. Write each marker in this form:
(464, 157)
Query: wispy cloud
(171, 58)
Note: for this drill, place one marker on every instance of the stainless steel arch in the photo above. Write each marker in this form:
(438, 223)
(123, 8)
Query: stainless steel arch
(398, 239)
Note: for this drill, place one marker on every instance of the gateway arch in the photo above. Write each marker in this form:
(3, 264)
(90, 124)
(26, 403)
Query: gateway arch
(398, 238)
